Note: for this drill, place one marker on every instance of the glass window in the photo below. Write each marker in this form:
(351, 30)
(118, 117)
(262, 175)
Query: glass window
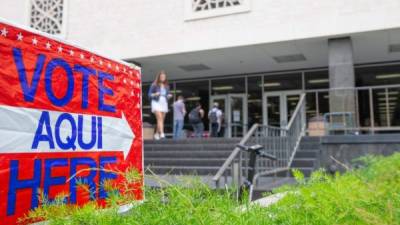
(193, 92)
(364, 109)
(317, 80)
(273, 110)
(228, 86)
(323, 102)
(285, 82)
(394, 106)
(311, 105)
(382, 75)
(146, 108)
(380, 107)
(254, 100)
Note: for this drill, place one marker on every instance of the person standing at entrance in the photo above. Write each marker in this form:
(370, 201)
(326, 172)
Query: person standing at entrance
(215, 117)
(179, 115)
(159, 95)
(196, 119)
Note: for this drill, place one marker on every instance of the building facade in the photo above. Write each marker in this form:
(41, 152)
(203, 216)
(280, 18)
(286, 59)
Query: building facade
(255, 57)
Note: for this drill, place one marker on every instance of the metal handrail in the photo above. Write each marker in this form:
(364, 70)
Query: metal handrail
(233, 155)
(296, 111)
(298, 116)
(282, 142)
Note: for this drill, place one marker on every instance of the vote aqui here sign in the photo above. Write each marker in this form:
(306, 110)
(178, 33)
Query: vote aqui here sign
(63, 110)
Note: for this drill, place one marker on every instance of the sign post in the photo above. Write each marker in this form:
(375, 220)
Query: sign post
(63, 109)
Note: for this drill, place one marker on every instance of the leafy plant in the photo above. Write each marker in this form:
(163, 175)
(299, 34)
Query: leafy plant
(368, 195)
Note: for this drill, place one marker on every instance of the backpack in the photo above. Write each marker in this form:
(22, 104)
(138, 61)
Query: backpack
(194, 116)
(213, 116)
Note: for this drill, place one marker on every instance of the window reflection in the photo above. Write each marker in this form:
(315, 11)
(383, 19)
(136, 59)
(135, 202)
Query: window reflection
(146, 113)
(317, 79)
(380, 107)
(254, 100)
(280, 82)
(228, 86)
(323, 102)
(311, 106)
(394, 106)
(364, 108)
(380, 75)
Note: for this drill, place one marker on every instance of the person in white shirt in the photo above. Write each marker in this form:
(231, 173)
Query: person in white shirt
(215, 117)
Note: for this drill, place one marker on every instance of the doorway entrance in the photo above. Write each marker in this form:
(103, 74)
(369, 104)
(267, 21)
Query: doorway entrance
(234, 107)
(279, 107)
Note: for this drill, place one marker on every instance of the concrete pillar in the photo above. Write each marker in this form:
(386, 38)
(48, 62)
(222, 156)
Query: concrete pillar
(341, 76)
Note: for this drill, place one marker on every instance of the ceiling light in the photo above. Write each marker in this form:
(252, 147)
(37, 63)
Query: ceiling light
(222, 88)
(272, 84)
(384, 104)
(389, 93)
(253, 100)
(318, 81)
(387, 76)
(293, 98)
(389, 98)
(176, 91)
(193, 99)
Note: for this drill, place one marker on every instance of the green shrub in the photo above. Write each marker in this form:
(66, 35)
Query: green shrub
(369, 195)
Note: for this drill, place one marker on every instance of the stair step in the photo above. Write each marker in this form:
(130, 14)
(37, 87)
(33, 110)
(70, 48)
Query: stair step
(184, 170)
(304, 162)
(309, 146)
(306, 154)
(187, 154)
(189, 147)
(194, 141)
(217, 162)
(206, 156)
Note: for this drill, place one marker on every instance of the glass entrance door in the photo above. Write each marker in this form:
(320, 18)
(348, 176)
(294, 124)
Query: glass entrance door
(279, 107)
(234, 107)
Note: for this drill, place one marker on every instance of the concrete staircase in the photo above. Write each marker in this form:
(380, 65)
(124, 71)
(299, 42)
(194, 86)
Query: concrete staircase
(187, 157)
(203, 157)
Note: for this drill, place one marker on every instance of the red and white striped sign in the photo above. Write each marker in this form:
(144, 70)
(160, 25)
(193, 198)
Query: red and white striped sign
(62, 109)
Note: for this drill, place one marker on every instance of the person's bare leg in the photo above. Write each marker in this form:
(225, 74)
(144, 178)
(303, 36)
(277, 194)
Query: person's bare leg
(162, 115)
(159, 121)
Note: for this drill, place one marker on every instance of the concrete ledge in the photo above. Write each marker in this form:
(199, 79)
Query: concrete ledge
(362, 139)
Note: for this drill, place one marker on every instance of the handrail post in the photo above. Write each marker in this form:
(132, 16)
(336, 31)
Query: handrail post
(234, 153)
(282, 142)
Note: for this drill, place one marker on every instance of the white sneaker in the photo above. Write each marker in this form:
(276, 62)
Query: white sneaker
(162, 135)
(156, 136)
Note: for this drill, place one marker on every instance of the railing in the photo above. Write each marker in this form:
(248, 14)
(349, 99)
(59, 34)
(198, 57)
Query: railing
(280, 142)
(358, 110)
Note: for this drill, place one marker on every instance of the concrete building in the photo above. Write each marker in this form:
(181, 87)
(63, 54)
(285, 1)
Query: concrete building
(255, 57)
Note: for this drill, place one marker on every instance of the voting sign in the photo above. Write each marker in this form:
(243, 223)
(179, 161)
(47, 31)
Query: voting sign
(63, 110)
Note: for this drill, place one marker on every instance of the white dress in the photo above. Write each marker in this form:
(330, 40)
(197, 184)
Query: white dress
(162, 104)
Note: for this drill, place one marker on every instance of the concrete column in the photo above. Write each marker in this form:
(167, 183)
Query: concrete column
(341, 76)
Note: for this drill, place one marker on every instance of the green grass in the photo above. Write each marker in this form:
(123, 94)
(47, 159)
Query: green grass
(369, 195)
